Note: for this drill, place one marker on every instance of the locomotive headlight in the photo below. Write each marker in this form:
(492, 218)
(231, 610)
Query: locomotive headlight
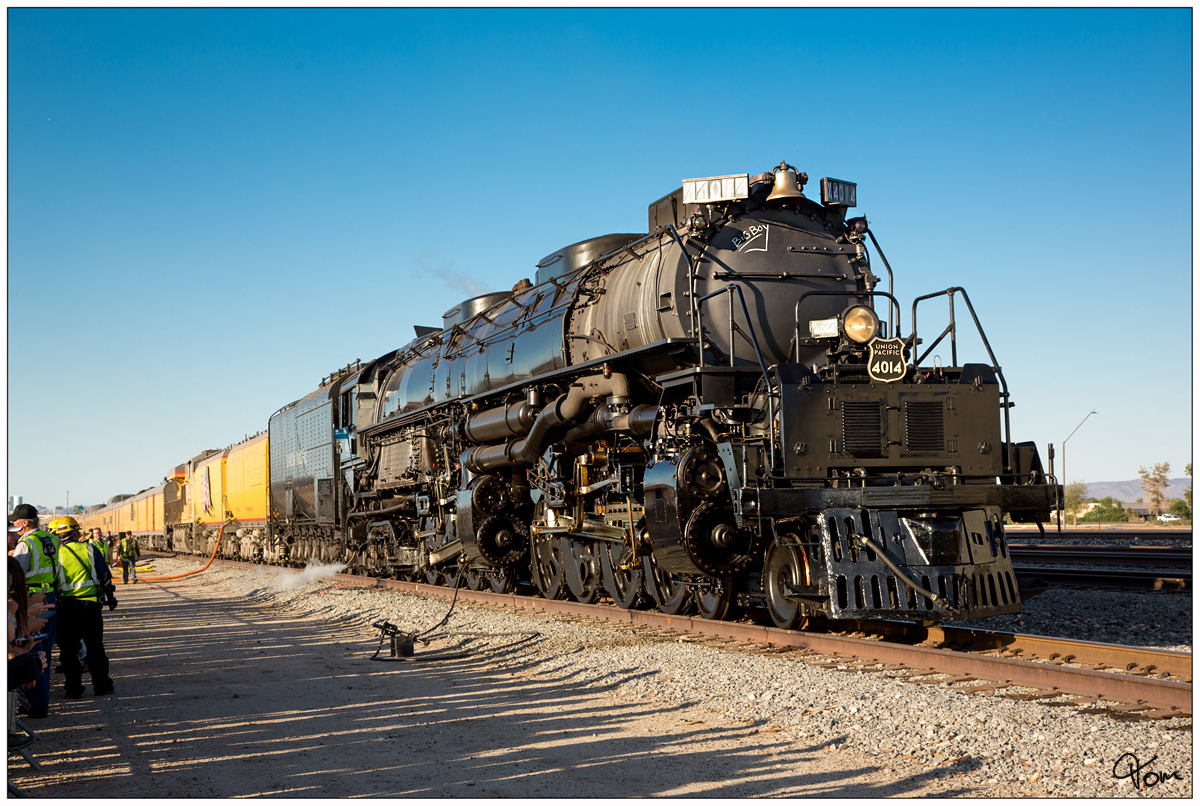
(860, 324)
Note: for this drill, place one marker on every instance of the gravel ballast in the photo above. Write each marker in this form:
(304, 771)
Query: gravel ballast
(973, 745)
(1019, 747)
(1133, 618)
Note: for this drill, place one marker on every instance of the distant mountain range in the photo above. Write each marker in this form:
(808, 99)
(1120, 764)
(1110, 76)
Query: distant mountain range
(1131, 491)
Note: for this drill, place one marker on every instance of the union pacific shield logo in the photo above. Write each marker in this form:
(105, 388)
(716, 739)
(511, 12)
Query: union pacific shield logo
(885, 360)
(205, 492)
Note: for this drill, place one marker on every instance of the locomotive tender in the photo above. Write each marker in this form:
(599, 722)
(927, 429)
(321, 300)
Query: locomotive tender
(722, 411)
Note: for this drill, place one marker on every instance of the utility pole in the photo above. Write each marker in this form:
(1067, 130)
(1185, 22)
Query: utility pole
(1066, 481)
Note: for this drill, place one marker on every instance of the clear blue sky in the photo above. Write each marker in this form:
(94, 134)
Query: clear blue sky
(208, 210)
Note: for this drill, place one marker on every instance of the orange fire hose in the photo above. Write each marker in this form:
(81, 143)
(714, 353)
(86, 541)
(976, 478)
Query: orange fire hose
(216, 548)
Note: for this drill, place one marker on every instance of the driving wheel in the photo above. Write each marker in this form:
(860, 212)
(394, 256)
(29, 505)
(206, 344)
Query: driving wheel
(582, 570)
(501, 580)
(474, 579)
(625, 585)
(716, 602)
(667, 590)
(546, 566)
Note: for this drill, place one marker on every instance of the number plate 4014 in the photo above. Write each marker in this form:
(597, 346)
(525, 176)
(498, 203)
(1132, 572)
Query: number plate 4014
(885, 360)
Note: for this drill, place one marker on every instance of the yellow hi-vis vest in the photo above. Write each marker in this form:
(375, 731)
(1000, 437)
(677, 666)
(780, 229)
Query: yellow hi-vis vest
(43, 567)
(77, 578)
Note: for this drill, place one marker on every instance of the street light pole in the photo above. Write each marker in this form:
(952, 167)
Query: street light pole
(1066, 481)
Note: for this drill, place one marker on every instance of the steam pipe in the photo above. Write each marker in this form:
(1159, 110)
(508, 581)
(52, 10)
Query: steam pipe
(409, 503)
(639, 423)
(565, 410)
(500, 423)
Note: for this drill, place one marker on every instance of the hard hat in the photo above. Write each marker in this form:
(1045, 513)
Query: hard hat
(63, 526)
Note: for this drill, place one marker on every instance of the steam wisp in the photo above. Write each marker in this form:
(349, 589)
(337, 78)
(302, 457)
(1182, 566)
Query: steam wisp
(311, 573)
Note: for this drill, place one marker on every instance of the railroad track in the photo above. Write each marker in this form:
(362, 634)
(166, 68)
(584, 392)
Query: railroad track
(1131, 680)
(1155, 682)
(1127, 535)
(1126, 567)
(1122, 557)
(1112, 578)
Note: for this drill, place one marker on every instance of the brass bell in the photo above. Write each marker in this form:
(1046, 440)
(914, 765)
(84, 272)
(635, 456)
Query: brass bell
(787, 186)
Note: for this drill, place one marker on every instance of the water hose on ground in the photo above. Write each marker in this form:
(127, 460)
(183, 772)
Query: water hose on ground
(216, 548)
(403, 643)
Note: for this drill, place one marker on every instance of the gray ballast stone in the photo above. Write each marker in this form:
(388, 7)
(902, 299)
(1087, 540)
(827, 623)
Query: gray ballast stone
(995, 746)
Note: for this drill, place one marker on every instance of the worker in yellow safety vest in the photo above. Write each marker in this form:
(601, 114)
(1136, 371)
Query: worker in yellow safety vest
(102, 543)
(84, 581)
(37, 552)
(129, 553)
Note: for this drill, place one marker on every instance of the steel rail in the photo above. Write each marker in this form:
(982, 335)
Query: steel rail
(1136, 660)
(1124, 579)
(1125, 557)
(1132, 659)
(1161, 533)
(1172, 696)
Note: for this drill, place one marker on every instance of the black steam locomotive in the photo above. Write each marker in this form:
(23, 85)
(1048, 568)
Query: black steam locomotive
(722, 412)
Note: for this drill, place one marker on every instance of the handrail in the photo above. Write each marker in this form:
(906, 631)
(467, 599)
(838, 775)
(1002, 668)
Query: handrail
(695, 306)
(952, 328)
(762, 364)
(807, 294)
(891, 279)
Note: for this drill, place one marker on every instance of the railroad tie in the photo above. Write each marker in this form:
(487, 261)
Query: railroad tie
(925, 671)
(1040, 694)
(987, 690)
(1130, 709)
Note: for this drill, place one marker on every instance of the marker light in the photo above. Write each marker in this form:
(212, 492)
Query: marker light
(716, 188)
(860, 324)
(835, 191)
(823, 328)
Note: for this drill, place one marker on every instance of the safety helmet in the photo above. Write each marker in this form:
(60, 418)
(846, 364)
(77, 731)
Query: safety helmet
(64, 526)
